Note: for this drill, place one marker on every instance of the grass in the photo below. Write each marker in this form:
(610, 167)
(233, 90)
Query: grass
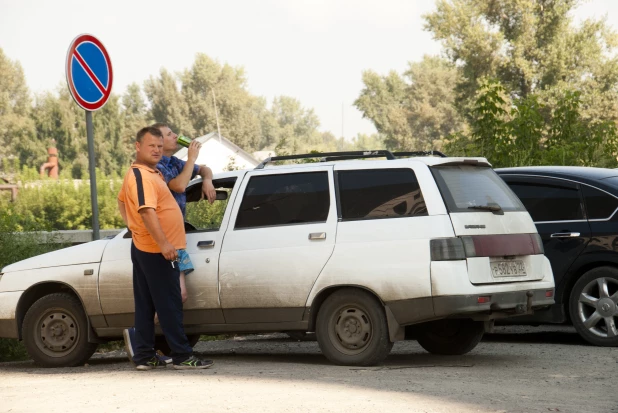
(12, 350)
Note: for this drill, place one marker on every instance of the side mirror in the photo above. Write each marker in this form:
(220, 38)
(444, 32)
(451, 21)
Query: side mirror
(221, 195)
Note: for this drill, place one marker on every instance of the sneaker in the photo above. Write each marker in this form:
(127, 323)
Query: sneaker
(129, 339)
(153, 363)
(162, 357)
(194, 363)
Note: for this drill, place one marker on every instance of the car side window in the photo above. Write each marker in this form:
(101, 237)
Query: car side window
(201, 215)
(599, 204)
(547, 202)
(379, 193)
(298, 198)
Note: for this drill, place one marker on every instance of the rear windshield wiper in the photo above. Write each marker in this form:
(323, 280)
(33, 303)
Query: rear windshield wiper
(491, 208)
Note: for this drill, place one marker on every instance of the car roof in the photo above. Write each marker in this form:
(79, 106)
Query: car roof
(584, 174)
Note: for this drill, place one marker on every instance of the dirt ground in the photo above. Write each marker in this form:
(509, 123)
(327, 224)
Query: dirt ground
(517, 369)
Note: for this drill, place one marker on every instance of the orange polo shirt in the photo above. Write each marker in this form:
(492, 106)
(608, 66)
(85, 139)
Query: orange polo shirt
(144, 187)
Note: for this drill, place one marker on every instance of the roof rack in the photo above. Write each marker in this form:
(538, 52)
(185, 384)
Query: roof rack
(421, 153)
(338, 156)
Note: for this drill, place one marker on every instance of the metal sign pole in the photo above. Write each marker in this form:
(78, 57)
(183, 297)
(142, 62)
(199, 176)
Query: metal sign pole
(93, 177)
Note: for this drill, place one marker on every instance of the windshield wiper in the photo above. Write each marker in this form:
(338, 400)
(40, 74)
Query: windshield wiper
(491, 208)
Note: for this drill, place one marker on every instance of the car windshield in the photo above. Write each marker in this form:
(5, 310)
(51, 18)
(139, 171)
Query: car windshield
(468, 188)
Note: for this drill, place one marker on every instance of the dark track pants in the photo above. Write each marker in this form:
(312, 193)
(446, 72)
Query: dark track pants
(156, 288)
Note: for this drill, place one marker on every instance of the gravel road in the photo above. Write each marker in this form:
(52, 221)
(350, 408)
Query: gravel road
(516, 369)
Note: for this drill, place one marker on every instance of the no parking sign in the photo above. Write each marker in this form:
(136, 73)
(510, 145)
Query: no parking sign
(90, 79)
(89, 72)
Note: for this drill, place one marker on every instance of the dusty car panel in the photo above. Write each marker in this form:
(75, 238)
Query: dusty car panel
(79, 254)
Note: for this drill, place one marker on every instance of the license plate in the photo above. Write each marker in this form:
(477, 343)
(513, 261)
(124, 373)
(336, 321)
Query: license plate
(514, 268)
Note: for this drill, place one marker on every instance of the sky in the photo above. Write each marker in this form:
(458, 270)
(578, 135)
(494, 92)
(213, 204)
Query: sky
(312, 50)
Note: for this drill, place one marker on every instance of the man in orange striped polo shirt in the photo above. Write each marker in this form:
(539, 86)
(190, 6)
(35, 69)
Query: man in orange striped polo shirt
(157, 226)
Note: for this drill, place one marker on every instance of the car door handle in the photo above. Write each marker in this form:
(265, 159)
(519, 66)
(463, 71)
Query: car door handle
(317, 235)
(565, 235)
(206, 244)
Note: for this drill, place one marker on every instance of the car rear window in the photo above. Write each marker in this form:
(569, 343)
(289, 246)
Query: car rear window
(380, 193)
(464, 186)
(599, 204)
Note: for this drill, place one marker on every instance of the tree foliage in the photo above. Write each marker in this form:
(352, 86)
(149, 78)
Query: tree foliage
(413, 111)
(190, 101)
(16, 126)
(521, 84)
(524, 136)
(530, 47)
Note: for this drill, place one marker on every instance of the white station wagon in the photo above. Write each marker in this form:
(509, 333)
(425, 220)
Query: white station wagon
(361, 252)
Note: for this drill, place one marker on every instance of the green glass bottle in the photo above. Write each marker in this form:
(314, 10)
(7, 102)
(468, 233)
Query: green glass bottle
(184, 141)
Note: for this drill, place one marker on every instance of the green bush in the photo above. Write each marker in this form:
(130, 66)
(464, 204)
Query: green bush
(63, 204)
(12, 350)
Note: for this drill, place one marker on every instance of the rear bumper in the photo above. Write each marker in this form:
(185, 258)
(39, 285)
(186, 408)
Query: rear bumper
(500, 305)
(504, 304)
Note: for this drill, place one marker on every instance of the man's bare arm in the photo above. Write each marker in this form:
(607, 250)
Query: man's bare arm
(208, 188)
(179, 184)
(123, 212)
(152, 224)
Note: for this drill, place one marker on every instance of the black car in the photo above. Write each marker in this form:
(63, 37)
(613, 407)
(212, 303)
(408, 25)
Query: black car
(575, 212)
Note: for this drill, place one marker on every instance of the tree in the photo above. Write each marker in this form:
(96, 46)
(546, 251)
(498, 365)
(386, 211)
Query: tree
(415, 111)
(113, 151)
(213, 90)
(167, 104)
(489, 133)
(134, 112)
(60, 122)
(522, 136)
(530, 47)
(17, 135)
(574, 140)
(297, 127)
(433, 114)
(385, 102)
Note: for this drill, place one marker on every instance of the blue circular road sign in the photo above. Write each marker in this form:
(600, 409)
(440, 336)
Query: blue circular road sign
(89, 72)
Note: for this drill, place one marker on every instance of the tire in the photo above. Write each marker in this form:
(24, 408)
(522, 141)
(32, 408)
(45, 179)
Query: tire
(351, 329)
(161, 343)
(450, 337)
(593, 306)
(55, 332)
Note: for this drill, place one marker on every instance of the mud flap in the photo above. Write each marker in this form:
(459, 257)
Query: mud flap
(395, 331)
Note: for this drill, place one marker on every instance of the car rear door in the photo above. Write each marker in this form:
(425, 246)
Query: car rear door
(501, 241)
(557, 209)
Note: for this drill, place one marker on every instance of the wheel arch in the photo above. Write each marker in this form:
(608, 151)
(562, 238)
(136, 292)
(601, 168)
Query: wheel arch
(327, 292)
(40, 290)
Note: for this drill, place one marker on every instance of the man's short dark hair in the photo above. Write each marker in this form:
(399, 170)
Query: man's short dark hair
(148, 129)
(160, 125)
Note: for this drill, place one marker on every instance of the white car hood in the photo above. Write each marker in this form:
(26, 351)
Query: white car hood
(80, 254)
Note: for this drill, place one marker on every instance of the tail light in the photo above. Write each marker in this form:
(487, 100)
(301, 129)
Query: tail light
(460, 248)
(447, 249)
(538, 243)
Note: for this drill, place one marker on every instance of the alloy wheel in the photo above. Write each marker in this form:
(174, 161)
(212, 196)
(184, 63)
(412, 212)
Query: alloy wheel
(598, 307)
